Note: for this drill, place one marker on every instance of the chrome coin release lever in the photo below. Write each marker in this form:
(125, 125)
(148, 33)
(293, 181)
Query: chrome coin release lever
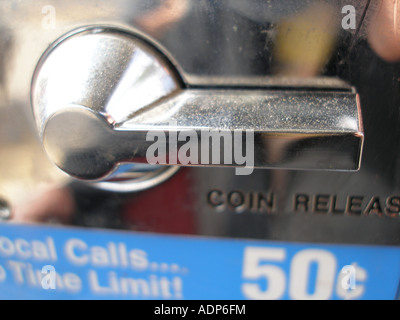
(102, 97)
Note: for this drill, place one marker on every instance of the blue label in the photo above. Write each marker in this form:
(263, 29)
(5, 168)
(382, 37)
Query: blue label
(38, 262)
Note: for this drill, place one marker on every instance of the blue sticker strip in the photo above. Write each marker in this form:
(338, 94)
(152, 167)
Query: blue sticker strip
(40, 262)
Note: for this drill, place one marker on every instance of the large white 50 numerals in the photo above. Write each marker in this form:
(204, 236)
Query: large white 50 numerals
(262, 264)
(300, 274)
(252, 270)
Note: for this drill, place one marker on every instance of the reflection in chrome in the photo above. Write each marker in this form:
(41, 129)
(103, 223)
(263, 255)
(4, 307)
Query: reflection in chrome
(136, 179)
(95, 114)
(5, 211)
(105, 70)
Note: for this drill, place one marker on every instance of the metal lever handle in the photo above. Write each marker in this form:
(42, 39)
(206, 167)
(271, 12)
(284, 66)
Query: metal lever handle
(103, 97)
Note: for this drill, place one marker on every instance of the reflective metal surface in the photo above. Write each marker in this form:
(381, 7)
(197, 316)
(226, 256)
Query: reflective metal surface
(207, 41)
(107, 71)
(135, 180)
(5, 212)
(98, 95)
